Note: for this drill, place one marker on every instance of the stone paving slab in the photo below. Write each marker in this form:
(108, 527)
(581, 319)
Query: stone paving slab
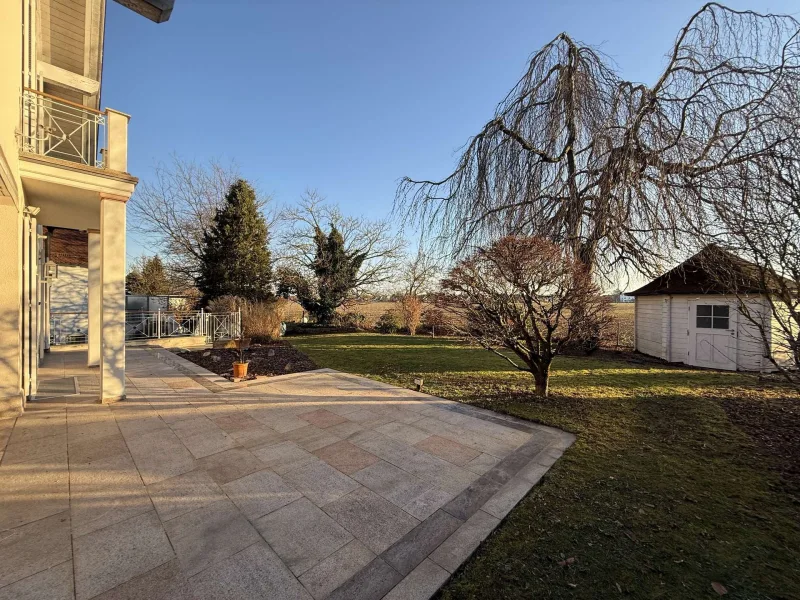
(335, 570)
(317, 485)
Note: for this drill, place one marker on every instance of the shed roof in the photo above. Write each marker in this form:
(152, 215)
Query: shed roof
(694, 276)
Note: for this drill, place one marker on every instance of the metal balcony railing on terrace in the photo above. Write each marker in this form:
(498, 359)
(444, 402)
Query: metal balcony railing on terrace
(62, 129)
(141, 324)
(72, 327)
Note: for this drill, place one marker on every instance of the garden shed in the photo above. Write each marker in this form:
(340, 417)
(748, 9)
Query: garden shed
(687, 316)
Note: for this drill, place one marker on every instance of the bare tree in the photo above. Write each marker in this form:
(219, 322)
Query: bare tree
(381, 248)
(619, 172)
(420, 274)
(176, 208)
(417, 278)
(526, 295)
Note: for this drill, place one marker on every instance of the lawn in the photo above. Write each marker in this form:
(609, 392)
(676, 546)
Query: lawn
(679, 478)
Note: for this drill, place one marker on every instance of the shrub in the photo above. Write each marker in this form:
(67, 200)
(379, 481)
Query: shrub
(593, 331)
(389, 322)
(409, 308)
(350, 319)
(438, 322)
(261, 321)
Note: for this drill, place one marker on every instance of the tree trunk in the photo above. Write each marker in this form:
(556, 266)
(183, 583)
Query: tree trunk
(542, 382)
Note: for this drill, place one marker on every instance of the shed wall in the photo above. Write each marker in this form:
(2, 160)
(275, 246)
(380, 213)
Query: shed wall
(648, 325)
(662, 318)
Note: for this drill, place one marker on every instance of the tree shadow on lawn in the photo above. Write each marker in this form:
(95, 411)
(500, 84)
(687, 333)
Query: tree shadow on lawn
(659, 496)
(774, 424)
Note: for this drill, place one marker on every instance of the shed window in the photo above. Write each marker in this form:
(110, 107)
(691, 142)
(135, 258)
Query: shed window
(713, 316)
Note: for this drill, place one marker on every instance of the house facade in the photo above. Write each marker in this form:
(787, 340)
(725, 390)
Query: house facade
(63, 164)
(687, 316)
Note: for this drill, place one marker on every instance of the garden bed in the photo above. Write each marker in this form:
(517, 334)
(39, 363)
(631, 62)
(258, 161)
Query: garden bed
(276, 358)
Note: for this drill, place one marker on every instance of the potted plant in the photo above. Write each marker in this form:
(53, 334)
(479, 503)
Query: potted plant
(242, 344)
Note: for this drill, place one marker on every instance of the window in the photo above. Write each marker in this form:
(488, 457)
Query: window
(713, 316)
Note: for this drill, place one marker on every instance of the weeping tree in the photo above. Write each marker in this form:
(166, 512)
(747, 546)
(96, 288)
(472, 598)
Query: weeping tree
(759, 226)
(616, 172)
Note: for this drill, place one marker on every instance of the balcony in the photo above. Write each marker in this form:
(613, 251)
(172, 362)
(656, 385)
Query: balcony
(62, 129)
(71, 156)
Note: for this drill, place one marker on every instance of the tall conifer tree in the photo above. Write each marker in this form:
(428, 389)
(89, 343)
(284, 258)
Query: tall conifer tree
(236, 258)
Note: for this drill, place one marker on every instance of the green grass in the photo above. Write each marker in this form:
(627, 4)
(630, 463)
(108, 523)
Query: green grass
(660, 496)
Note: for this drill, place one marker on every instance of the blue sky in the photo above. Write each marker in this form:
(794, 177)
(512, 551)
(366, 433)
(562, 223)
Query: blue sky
(349, 96)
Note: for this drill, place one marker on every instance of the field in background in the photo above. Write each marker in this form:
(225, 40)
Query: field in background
(371, 310)
(618, 335)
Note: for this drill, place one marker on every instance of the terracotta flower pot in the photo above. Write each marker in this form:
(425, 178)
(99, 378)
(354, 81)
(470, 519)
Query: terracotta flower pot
(240, 370)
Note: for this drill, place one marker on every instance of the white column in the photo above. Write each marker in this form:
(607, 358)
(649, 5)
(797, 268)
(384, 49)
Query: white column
(33, 313)
(46, 311)
(666, 329)
(112, 269)
(95, 299)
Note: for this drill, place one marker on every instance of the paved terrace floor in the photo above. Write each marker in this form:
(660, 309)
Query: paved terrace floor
(316, 485)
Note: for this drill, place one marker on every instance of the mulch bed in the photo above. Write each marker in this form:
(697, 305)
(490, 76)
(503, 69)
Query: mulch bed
(277, 358)
(775, 426)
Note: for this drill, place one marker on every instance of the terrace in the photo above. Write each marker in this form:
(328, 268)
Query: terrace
(313, 485)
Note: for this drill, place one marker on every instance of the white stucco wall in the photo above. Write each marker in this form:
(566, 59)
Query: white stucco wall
(69, 294)
(11, 202)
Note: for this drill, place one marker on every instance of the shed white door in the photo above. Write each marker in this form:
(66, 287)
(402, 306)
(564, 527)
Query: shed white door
(712, 334)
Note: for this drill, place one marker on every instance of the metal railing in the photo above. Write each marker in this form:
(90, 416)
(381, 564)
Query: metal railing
(141, 325)
(68, 328)
(220, 326)
(72, 327)
(55, 127)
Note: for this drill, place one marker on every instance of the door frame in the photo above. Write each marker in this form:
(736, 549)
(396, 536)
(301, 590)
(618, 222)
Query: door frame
(733, 332)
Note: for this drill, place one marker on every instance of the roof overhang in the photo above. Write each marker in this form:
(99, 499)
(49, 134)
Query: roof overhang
(157, 11)
(693, 277)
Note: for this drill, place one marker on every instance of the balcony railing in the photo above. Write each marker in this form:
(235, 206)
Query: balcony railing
(62, 129)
